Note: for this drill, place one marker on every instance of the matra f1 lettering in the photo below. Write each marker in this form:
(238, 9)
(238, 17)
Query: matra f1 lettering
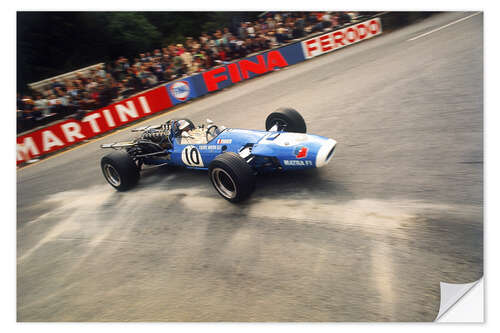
(299, 163)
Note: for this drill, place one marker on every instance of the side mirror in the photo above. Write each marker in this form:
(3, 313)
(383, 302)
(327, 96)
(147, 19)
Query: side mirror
(185, 135)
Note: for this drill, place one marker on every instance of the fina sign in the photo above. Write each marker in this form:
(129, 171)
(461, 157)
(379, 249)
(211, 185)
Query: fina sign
(340, 38)
(180, 90)
(243, 69)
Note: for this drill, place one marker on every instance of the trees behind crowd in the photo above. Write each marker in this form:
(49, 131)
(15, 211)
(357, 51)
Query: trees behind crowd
(53, 43)
(182, 53)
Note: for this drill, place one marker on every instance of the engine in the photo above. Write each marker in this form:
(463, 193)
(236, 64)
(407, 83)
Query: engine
(155, 136)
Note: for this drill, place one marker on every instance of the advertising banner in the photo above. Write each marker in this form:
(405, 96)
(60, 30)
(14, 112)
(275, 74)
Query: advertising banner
(69, 132)
(181, 91)
(338, 39)
(247, 68)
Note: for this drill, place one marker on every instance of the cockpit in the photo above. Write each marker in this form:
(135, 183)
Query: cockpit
(181, 131)
(187, 133)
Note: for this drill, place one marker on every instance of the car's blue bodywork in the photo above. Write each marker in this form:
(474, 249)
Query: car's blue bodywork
(264, 150)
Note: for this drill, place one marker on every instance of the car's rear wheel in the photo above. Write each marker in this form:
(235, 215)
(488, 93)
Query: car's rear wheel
(287, 120)
(120, 170)
(232, 177)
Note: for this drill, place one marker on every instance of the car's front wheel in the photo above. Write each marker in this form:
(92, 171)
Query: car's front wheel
(232, 177)
(120, 170)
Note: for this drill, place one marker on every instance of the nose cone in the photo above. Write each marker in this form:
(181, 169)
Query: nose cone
(325, 153)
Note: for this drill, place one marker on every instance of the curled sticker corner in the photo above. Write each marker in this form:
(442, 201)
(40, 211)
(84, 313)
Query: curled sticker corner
(451, 293)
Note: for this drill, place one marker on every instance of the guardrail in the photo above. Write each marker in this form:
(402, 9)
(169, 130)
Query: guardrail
(84, 71)
(69, 132)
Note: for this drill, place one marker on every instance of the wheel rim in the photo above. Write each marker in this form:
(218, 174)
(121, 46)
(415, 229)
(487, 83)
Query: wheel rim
(224, 183)
(112, 176)
(280, 123)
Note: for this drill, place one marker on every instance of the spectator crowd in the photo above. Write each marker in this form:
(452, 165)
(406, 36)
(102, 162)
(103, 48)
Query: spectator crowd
(108, 83)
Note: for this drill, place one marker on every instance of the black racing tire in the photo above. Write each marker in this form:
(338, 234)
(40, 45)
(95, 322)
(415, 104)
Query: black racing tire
(120, 170)
(232, 177)
(288, 120)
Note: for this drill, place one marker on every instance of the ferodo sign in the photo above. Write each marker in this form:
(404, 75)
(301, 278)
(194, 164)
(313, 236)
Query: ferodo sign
(339, 38)
(66, 133)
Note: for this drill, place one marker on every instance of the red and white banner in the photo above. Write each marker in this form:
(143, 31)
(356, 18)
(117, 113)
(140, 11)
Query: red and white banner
(340, 38)
(69, 132)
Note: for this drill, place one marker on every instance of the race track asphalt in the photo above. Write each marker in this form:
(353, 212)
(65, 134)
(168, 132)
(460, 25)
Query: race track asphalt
(366, 238)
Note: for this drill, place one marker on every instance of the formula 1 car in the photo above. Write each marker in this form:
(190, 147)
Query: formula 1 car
(233, 157)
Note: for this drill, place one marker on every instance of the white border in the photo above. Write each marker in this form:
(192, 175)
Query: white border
(491, 136)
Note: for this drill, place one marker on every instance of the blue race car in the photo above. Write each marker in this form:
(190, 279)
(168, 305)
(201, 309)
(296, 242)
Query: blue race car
(233, 157)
